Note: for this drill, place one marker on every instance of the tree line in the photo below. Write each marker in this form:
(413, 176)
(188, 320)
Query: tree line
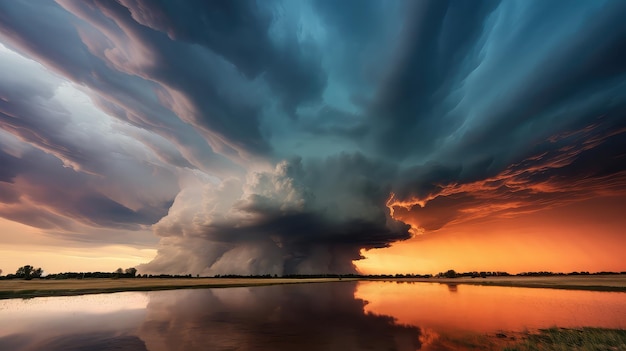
(25, 272)
(452, 274)
(29, 272)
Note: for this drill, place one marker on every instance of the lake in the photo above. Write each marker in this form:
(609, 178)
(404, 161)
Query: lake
(322, 316)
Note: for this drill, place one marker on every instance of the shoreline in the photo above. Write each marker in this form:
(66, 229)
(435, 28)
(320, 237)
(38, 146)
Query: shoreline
(548, 339)
(10, 289)
(607, 283)
(24, 289)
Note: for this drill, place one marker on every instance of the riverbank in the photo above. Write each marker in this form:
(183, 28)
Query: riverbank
(551, 339)
(17, 288)
(611, 282)
(586, 339)
(38, 287)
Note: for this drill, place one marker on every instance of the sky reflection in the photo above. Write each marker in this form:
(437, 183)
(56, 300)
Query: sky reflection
(302, 317)
(330, 316)
(488, 309)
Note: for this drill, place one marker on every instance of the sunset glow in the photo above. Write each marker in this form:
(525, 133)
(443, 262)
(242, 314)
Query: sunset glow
(449, 308)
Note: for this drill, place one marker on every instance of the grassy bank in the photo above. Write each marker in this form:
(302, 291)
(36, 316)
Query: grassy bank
(37, 288)
(586, 282)
(553, 339)
(585, 339)
(33, 288)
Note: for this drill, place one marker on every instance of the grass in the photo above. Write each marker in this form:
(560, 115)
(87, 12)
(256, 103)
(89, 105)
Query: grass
(588, 282)
(37, 288)
(561, 339)
(465, 342)
(17, 288)
(553, 339)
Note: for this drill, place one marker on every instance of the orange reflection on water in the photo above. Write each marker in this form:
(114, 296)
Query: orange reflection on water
(475, 308)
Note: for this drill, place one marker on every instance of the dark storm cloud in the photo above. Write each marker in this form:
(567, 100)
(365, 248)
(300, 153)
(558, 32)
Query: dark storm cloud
(515, 77)
(333, 122)
(52, 197)
(310, 216)
(28, 110)
(445, 111)
(564, 85)
(154, 56)
(103, 211)
(573, 83)
(9, 167)
(221, 104)
(122, 95)
(239, 31)
(436, 49)
(571, 167)
(65, 163)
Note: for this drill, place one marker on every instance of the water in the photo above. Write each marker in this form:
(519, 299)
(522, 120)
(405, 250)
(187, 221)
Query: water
(327, 316)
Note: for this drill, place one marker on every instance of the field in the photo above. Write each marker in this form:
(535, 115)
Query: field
(552, 339)
(583, 339)
(38, 287)
(17, 288)
(612, 282)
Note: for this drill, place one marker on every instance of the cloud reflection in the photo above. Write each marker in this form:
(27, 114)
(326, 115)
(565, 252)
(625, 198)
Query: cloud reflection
(302, 317)
(285, 317)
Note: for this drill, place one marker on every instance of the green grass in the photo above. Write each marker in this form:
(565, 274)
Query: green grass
(18, 288)
(561, 339)
(615, 283)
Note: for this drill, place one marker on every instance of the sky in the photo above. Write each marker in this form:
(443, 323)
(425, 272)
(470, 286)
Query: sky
(282, 137)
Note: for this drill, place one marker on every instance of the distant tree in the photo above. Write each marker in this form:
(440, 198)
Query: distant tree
(118, 273)
(28, 272)
(132, 271)
(36, 273)
(450, 274)
(24, 271)
(0, 271)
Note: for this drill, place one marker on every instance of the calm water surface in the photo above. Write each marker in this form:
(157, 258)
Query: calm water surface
(328, 316)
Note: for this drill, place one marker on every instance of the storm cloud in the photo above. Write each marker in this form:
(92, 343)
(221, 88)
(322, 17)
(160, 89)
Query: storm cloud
(285, 137)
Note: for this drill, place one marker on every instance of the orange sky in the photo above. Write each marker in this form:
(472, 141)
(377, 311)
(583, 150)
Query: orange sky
(581, 236)
(23, 245)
